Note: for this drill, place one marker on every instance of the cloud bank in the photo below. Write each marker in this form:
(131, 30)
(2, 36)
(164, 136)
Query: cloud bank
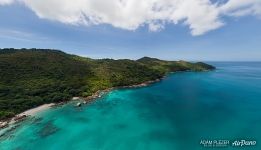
(200, 16)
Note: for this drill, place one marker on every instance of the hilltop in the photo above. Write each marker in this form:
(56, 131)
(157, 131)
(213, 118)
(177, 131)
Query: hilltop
(31, 77)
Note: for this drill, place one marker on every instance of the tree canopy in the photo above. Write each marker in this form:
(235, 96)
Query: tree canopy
(31, 77)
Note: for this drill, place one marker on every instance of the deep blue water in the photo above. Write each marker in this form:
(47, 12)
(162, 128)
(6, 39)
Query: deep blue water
(174, 114)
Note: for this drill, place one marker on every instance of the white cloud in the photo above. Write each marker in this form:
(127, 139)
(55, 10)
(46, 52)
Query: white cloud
(21, 35)
(200, 16)
(6, 2)
(241, 8)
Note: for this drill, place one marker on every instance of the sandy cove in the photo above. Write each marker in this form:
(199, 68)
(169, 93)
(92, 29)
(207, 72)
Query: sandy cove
(33, 111)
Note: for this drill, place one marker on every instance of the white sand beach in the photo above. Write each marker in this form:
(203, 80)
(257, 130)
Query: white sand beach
(33, 111)
(30, 112)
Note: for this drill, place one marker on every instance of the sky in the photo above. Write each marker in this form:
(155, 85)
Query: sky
(195, 30)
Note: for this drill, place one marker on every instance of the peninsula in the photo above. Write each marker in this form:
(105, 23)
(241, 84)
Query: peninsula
(33, 77)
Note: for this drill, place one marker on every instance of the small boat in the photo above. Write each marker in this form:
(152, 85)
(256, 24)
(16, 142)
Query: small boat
(79, 104)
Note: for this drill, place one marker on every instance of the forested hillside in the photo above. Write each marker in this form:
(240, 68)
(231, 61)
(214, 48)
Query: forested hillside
(31, 77)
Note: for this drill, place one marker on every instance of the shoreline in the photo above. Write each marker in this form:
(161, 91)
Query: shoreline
(99, 93)
(31, 112)
(21, 116)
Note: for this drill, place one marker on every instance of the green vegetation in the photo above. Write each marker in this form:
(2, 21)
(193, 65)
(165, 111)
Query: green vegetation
(31, 77)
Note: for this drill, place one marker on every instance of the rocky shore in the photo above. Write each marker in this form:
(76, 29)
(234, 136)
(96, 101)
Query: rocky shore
(99, 93)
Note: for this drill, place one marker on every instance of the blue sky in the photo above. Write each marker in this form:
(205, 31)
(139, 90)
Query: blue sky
(239, 39)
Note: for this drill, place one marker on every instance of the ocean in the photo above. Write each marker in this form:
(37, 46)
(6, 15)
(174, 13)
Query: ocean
(219, 109)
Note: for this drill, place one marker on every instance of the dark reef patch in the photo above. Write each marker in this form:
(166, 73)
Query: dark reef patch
(48, 129)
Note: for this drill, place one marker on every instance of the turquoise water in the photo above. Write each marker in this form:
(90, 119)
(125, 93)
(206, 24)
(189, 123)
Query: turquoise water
(174, 114)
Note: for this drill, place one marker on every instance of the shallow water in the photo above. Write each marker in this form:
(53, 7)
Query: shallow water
(174, 114)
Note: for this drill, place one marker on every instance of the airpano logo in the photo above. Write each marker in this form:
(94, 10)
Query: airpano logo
(226, 143)
(241, 143)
